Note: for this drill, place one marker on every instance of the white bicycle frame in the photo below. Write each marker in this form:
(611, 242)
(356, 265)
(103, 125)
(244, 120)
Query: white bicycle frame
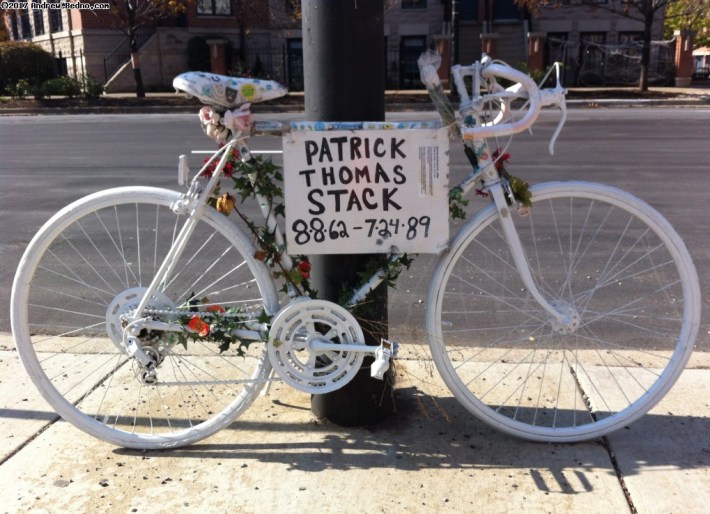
(475, 134)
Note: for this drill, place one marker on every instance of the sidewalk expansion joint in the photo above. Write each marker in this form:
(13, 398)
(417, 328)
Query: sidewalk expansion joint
(24, 445)
(617, 469)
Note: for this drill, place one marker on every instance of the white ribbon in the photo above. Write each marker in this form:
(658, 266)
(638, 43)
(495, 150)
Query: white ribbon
(218, 127)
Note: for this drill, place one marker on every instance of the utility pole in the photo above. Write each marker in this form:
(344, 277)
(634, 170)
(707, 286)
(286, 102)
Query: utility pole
(344, 72)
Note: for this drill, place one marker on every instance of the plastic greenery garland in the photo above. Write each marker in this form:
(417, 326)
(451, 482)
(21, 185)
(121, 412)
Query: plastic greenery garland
(262, 177)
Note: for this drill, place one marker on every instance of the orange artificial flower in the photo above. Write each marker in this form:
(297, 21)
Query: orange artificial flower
(197, 325)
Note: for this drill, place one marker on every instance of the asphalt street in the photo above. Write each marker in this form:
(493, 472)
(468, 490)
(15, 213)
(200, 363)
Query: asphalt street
(656, 153)
(431, 455)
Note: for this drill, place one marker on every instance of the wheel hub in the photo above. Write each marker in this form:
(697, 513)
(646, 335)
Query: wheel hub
(291, 351)
(570, 318)
(123, 306)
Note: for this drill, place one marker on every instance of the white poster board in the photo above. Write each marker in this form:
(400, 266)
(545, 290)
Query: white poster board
(371, 190)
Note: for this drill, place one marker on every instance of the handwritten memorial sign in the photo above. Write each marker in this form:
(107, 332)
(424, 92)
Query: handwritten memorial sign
(366, 190)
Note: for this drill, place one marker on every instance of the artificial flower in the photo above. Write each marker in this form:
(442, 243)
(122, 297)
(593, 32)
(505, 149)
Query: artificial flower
(197, 325)
(225, 204)
(500, 159)
(304, 268)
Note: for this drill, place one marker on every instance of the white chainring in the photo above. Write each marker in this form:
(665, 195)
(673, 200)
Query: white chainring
(292, 356)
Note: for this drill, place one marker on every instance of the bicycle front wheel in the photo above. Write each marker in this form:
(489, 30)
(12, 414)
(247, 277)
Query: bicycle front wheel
(90, 264)
(596, 253)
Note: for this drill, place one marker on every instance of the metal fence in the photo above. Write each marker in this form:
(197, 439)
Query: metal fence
(594, 64)
(122, 53)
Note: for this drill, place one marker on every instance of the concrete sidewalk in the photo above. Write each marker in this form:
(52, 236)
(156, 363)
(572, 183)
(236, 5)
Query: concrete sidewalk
(430, 456)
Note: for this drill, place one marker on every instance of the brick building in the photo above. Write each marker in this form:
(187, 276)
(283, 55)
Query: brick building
(267, 39)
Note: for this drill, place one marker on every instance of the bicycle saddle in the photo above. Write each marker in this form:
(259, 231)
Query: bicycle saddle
(228, 92)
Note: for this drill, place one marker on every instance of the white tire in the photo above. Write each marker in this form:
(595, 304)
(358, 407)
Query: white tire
(90, 261)
(595, 252)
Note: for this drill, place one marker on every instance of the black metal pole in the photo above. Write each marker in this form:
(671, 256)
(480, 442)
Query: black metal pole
(344, 75)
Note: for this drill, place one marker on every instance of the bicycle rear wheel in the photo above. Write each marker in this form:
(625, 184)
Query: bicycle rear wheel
(91, 262)
(595, 252)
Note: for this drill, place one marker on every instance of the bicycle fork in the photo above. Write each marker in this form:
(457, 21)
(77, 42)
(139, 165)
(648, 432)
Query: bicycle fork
(564, 318)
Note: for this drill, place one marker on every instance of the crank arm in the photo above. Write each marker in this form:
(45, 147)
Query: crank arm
(325, 346)
(318, 345)
(383, 353)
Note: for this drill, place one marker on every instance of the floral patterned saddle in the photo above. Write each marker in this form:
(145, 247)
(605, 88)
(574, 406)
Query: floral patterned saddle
(228, 92)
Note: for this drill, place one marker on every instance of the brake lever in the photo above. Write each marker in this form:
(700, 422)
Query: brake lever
(555, 96)
(560, 124)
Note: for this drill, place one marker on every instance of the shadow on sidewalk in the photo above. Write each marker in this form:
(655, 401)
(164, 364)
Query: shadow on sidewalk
(450, 438)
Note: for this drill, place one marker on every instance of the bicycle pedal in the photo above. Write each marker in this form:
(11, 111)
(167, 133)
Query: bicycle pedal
(387, 350)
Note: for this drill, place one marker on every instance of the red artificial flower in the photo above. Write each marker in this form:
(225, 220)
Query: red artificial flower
(229, 167)
(216, 308)
(209, 170)
(304, 268)
(197, 325)
(500, 159)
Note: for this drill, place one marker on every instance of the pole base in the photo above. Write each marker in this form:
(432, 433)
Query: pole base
(363, 401)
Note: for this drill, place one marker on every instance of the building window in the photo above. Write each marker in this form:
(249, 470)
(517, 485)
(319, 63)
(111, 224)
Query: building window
(55, 20)
(556, 48)
(25, 24)
(411, 47)
(15, 27)
(38, 21)
(506, 10)
(630, 37)
(468, 10)
(294, 49)
(214, 7)
(591, 59)
(413, 4)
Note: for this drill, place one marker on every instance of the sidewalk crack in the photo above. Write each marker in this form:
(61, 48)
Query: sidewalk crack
(604, 441)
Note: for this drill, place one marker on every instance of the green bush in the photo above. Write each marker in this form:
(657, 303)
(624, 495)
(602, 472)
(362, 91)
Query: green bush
(20, 60)
(92, 87)
(61, 86)
(20, 89)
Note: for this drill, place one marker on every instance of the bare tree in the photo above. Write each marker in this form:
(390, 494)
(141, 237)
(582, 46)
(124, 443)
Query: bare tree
(132, 15)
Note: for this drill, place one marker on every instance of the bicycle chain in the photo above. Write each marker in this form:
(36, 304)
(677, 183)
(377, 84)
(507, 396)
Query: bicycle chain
(164, 312)
(218, 382)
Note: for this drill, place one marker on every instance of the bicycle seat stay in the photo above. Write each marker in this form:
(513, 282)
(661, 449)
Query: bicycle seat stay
(227, 92)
